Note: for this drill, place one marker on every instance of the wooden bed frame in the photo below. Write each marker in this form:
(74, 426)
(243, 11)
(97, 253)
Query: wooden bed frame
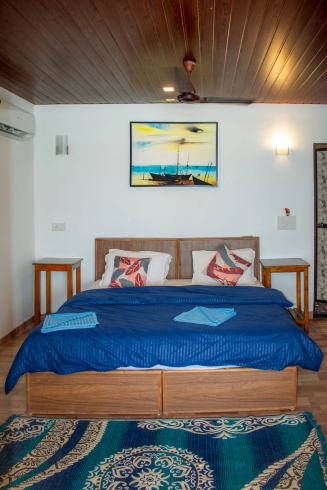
(160, 393)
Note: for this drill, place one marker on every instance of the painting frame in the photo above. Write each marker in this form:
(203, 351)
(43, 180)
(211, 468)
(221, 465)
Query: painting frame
(173, 154)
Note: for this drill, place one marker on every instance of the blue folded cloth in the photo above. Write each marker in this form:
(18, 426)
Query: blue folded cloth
(206, 316)
(65, 321)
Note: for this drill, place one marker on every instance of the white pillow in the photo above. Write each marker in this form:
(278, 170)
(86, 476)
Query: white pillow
(157, 271)
(201, 259)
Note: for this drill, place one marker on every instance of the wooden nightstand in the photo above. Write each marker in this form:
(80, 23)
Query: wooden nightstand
(54, 265)
(269, 266)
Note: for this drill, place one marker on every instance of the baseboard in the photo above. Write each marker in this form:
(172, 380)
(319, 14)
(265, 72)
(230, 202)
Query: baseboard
(18, 330)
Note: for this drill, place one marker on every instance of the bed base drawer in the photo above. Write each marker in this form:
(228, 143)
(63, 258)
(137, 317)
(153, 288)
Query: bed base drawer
(228, 390)
(93, 394)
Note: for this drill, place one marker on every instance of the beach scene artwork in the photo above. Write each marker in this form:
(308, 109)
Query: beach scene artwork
(173, 154)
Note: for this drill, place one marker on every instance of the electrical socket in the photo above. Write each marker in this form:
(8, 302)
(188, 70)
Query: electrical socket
(58, 226)
(286, 222)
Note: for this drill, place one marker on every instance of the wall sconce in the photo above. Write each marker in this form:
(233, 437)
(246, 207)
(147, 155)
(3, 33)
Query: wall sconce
(282, 150)
(281, 143)
(62, 145)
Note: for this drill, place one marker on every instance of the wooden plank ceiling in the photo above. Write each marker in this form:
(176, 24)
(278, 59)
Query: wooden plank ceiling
(125, 51)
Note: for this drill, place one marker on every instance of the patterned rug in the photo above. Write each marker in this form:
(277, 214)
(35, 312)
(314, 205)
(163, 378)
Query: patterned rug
(284, 451)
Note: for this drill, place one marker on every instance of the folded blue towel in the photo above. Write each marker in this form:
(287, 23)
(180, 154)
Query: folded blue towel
(206, 316)
(65, 321)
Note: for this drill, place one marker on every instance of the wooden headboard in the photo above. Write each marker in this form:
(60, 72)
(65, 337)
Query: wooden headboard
(180, 249)
(166, 245)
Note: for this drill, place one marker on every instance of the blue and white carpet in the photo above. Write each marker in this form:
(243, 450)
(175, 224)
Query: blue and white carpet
(250, 453)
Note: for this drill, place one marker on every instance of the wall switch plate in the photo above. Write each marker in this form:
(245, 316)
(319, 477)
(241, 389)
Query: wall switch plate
(286, 222)
(58, 226)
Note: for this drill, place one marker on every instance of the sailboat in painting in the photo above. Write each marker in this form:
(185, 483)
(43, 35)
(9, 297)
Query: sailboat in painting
(172, 178)
(159, 177)
(179, 175)
(206, 177)
(199, 181)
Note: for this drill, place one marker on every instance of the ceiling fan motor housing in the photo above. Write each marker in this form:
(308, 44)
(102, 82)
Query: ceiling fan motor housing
(188, 97)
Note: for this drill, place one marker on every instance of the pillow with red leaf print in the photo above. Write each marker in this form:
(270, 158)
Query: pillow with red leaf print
(226, 267)
(129, 272)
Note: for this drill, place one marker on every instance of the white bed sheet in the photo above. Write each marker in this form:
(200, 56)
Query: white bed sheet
(167, 368)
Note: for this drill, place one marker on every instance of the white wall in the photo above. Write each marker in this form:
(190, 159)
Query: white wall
(89, 189)
(16, 226)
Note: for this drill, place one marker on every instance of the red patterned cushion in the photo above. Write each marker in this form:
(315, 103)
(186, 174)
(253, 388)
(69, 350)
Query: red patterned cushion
(129, 272)
(226, 267)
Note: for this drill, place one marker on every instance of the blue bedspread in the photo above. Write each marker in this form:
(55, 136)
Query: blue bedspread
(136, 328)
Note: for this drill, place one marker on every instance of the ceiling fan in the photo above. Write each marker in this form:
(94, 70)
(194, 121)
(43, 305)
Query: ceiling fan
(190, 95)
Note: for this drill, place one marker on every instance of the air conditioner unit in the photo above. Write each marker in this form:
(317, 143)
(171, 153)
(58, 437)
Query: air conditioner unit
(16, 123)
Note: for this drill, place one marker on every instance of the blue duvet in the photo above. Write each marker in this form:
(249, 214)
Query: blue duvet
(137, 328)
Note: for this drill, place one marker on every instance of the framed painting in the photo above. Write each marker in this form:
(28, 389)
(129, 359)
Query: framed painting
(173, 154)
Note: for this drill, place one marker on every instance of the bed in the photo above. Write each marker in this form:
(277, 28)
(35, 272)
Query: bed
(178, 391)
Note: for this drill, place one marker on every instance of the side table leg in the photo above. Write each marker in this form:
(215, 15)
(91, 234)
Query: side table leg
(69, 281)
(78, 279)
(37, 295)
(306, 301)
(48, 292)
(298, 290)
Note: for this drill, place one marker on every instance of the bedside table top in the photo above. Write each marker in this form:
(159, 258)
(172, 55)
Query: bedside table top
(289, 262)
(57, 261)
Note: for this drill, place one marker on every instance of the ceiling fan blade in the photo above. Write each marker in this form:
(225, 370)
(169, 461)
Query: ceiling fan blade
(164, 101)
(222, 100)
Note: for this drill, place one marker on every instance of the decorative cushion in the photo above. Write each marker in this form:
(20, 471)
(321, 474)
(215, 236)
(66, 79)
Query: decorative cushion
(158, 268)
(248, 255)
(201, 259)
(226, 267)
(129, 272)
